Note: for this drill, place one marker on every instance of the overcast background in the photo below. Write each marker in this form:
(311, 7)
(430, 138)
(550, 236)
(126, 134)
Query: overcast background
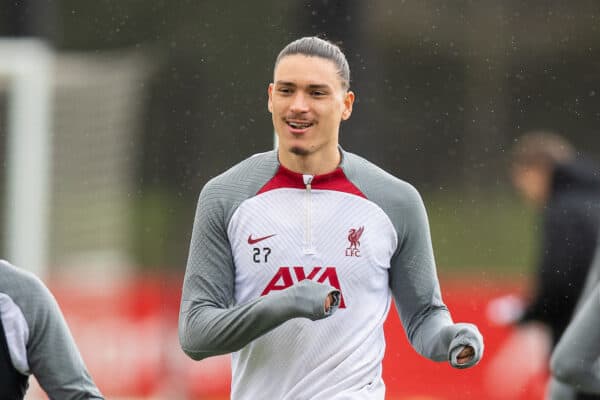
(443, 90)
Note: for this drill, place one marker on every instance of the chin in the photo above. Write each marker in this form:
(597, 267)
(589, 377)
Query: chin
(299, 151)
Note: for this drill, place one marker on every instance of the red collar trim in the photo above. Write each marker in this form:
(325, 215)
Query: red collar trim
(335, 180)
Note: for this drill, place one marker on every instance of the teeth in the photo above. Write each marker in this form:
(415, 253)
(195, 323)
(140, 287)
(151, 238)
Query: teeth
(298, 125)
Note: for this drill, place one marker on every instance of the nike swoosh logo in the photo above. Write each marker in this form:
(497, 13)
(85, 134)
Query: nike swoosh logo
(260, 239)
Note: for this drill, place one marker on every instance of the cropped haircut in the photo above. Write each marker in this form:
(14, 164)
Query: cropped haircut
(539, 147)
(316, 47)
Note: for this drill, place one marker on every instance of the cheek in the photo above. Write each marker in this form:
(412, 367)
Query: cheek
(275, 111)
(334, 116)
(526, 185)
(279, 106)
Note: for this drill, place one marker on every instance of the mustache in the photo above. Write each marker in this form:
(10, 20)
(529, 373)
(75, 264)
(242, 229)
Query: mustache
(298, 117)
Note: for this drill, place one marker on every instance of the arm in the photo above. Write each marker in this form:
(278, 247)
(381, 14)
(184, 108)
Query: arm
(416, 290)
(52, 354)
(560, 391)
(209, 323)
(576, 358)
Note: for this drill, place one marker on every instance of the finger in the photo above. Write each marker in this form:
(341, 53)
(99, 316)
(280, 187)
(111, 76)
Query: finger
(465, 355)
(464, 360)
(328, 301)
(467, 351)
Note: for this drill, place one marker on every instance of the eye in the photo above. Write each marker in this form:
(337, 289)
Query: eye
(318, 93)
(284, 90)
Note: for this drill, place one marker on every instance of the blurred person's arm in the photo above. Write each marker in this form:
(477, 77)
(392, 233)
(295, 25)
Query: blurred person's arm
(568, 247)
(51, 353)
(209, 322)
(576, 358)
(558, 390)
(416, 290)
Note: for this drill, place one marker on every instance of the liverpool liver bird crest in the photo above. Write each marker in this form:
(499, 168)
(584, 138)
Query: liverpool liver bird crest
(354, 237)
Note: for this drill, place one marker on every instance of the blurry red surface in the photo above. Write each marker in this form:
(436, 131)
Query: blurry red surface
(410, 376)
(127, 333)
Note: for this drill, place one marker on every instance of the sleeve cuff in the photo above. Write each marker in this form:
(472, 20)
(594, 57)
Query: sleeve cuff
(467, 335)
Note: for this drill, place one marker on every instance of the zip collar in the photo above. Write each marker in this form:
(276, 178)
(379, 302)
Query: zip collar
(335, 180)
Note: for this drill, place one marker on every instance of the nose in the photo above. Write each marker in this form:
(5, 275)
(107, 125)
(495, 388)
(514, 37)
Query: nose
(299, 103)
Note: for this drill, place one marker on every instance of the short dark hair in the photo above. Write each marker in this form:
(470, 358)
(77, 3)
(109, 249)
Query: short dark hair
(313, 46)
(545, 147)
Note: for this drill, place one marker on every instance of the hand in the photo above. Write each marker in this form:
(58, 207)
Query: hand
(332, 300)
(328, 302)
(465, 355)
(466, 345)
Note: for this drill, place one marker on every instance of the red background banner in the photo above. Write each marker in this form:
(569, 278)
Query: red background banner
(127, 333)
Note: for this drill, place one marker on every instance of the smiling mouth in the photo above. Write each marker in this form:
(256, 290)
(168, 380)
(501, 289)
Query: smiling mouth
(299, 125)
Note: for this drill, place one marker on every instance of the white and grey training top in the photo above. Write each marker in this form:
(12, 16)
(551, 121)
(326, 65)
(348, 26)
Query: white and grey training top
(269, 244)
(38, 341)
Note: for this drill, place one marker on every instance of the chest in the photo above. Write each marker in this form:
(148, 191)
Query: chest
(284, 236)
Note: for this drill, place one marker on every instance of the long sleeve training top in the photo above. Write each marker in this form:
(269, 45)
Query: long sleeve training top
(269, 244)
(35, 339)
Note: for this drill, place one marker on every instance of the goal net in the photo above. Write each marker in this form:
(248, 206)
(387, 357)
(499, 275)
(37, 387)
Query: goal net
(69, 138)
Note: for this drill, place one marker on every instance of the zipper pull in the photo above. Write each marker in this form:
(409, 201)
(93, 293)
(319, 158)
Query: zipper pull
(308, 180)
(308, 245)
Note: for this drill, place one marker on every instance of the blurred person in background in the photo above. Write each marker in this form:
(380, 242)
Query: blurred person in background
(295, 254)
(35, 340)
(564, 188)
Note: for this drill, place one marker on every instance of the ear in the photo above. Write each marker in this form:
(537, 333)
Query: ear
(270, 101)
(348, 102)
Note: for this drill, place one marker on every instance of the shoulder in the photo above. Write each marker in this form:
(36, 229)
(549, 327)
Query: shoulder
(398, 199)
(20, 284)
(377, 184)
(25, 301)
(573, 209)
(245, 178)
(222, 195)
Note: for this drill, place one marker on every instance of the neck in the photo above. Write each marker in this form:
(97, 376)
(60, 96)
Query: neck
(317, 163)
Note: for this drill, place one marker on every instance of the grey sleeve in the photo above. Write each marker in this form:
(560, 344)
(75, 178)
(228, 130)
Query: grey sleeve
(576, 358)
(209, 322)
(558, 390)
(416, 290)
(53, 356)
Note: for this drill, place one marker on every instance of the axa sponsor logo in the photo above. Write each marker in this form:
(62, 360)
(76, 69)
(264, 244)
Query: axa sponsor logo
(353, 250)
(288, 276)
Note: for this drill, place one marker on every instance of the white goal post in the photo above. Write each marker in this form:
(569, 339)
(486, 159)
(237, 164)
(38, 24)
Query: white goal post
(26, 68)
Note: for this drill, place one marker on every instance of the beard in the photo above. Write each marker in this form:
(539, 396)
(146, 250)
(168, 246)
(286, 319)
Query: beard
(299, 151)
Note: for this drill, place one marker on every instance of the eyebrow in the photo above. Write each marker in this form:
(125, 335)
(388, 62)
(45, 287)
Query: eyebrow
(311, 86)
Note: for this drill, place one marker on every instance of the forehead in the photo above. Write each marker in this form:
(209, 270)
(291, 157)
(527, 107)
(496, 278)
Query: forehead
(301, 69)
